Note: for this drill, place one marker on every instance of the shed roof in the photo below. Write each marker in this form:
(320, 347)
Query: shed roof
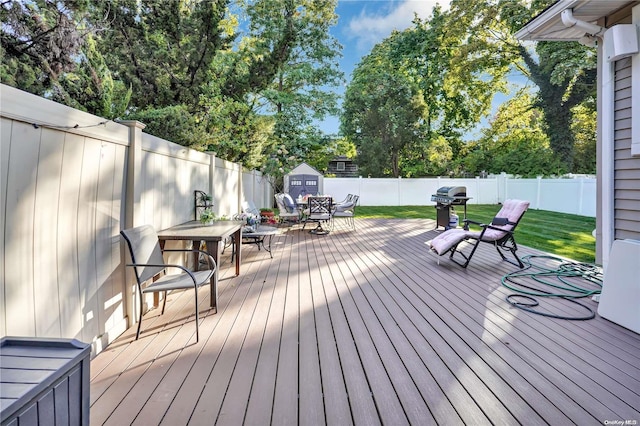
(304, 169)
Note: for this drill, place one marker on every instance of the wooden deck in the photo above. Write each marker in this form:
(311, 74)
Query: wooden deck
(366, 328)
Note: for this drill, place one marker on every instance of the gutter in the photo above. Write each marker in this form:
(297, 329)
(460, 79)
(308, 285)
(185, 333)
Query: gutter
(590, 29)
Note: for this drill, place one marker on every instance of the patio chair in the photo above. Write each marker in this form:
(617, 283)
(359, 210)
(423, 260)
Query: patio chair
(319, 211)
(286, 213)
(148, 263)
(347, 200)
(500, 233)
(346, 210)
(250, 207)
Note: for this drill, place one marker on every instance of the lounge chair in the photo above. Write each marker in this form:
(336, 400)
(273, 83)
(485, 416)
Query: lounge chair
(499, 233)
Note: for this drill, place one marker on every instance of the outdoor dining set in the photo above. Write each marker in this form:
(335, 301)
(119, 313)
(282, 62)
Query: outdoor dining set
(321, 209)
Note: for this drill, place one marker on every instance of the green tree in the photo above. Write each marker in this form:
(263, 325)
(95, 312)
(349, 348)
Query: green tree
(163, 49)
(329, 148)
(297, 93)
(91, 86)
(584, 129)
(454, 94)
(246, 95)
(382, 113)
(563, 72)
(40, 41)
(515, 143)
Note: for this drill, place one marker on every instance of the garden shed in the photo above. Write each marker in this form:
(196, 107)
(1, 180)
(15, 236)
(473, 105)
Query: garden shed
(303, 180)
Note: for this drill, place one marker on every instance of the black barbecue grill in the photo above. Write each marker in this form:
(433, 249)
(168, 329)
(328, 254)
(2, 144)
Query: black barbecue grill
(446, 197)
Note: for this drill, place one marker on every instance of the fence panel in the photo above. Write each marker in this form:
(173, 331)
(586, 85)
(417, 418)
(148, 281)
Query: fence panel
(256, 188)
(576, 196)
(64, 187)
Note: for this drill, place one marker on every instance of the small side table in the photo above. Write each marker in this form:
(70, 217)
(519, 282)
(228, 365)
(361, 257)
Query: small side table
(258, 237)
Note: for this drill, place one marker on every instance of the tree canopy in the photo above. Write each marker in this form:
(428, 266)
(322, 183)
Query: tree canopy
(251, 80)
(457, 61)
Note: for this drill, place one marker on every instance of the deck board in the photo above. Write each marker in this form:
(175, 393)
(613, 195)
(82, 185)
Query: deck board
(364, 327)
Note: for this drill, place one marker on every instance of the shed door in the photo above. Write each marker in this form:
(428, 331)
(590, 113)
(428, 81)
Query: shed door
(303, 185)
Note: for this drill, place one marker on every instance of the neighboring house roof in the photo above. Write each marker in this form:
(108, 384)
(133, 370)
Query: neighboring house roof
(548, 25)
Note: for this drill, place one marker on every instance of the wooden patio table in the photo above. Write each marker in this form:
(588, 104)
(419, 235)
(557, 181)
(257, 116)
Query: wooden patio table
(212, 235)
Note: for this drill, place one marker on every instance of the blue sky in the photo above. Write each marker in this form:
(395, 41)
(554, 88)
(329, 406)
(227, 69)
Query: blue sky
(364, 23)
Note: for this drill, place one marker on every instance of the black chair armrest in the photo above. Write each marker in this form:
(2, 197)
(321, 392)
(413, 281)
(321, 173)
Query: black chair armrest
(167, 265)
(510, 231)
(468, 221)
(212, 263)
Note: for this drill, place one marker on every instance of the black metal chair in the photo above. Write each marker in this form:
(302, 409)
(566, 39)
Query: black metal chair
(319, 211)
(148, 263)
(499, 233)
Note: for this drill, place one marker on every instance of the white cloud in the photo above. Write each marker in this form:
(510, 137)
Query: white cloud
(372, 26)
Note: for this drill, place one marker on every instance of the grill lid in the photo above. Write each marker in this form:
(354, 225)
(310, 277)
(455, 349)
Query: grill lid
(452, 191)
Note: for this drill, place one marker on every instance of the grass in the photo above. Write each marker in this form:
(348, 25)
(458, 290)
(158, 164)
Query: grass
(561, 234)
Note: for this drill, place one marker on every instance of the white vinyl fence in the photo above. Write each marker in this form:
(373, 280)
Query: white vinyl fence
(70, 182)
(574, 196)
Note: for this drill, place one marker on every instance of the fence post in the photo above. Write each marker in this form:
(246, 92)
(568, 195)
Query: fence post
(238, 201)
(502, 187)
(133, 209)
(212, 172)
(580, 195)
(538, 191)
(133, 213)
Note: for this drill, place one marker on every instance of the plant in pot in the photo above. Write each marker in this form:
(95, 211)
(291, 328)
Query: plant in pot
(266, 214)
(207, 216)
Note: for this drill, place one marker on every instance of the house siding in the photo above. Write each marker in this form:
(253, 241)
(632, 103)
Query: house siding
(626, 167)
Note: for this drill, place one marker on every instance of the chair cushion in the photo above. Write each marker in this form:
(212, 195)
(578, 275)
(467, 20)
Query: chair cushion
(345, 213)
(344, 206)
(512, 210)
(319, 216)
(445, 241)
(288, 203)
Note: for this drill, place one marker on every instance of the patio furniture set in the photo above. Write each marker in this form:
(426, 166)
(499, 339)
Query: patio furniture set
(319, 209)
(146, 246)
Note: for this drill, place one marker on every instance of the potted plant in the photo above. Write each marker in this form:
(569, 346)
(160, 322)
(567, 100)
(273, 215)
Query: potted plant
(207, 216)
(266, 214)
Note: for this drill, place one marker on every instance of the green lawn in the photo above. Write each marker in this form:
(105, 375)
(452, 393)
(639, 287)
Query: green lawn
(556, 233)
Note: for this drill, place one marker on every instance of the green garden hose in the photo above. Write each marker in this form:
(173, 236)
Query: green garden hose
(560, 282)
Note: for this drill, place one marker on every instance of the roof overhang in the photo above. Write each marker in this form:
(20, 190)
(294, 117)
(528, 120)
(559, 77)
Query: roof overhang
(548, 25)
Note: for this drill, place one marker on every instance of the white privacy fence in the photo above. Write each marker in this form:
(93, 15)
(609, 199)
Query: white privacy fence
(574, 196)
(70, 181)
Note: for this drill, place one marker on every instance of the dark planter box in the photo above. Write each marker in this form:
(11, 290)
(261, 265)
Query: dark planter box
(44, 381)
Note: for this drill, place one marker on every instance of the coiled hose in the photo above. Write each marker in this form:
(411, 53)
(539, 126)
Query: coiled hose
(567, 281)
